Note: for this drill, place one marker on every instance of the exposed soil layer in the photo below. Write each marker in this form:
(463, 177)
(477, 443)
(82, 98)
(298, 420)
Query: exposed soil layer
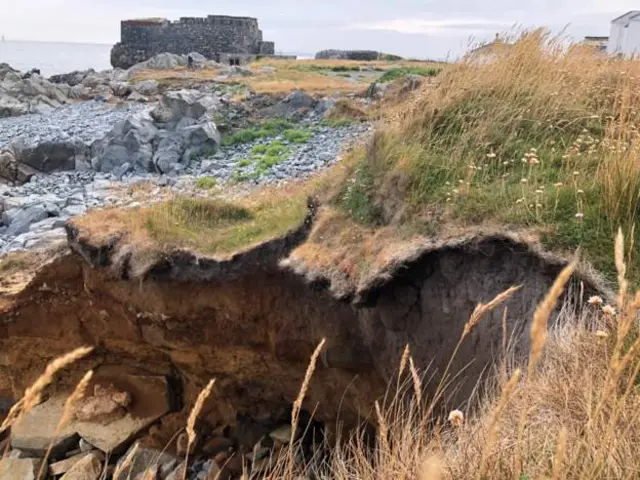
(253, 326)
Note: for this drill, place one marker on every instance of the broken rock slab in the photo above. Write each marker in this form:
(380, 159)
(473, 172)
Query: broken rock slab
(149, 401)
(143, 461)
(37, 430)
(88, 467)
(19, 468)
(63, 466)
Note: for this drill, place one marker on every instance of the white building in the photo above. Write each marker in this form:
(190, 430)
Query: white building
(624, 38)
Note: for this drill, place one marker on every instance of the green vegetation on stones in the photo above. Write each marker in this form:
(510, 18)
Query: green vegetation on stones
(267, 129)
(297, 135)
(206, 183)
(394, 73)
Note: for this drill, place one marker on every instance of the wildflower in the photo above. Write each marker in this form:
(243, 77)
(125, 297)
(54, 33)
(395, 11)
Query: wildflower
(595, 300)
(609, 310)
(534, 150)
(525, 160)
(447, 183)
(461, 181)
(539, 191)
(456, 417)
(524, 180)
(505, 163)
(580, 192)
(534, 161)
(559, 184)
(575, 174)
(520, 200)
(579, 216)
(538, 205)
(455, 191)
(602, 334)
(491, 155)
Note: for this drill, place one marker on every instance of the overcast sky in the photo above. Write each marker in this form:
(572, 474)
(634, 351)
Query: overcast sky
(415, 28)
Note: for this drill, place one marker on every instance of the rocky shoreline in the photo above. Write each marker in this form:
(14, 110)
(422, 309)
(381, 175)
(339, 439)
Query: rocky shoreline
(83, 154)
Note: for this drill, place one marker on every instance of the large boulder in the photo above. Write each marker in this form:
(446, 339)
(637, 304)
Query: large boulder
(175, 105)
(128, 142)
(204, 134)
(50, 156)
(22, 221)
(72, 78)
(293, 106)
(163, 61)
(146, 87)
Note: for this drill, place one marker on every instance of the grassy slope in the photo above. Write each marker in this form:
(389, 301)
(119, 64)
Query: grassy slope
(207, 225)
(539, 139)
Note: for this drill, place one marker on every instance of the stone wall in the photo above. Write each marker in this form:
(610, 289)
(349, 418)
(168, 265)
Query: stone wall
(210, 36)
(361, 55)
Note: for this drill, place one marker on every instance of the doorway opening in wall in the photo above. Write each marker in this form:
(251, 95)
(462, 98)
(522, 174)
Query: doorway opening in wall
(234, 62)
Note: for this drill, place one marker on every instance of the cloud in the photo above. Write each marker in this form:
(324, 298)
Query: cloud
(445, 27)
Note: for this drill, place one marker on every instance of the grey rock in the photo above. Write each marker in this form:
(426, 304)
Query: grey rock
(146, 87)
(300, 99)
(176, 105)
(24, 218)
(122, 170)
(137, 97)
(73, 210)
(325, 156)
(202, 134)
(169, 151)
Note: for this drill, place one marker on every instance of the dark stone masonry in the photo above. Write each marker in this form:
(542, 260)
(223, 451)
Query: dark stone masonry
(233, 40)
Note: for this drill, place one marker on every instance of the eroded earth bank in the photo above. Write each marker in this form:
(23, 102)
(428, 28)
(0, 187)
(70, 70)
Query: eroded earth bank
(163, 324)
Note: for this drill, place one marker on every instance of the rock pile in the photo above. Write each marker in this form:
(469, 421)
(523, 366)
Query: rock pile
(31, 94)
(59, 140)
(131, 433)
(166, 139)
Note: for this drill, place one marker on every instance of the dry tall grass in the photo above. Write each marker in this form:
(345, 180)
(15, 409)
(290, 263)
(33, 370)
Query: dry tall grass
(572, 413)
(543, 137)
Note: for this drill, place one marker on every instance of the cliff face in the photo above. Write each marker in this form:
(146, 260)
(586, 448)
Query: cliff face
(253, 326)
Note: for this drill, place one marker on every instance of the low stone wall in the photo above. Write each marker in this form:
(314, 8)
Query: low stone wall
(361, 55)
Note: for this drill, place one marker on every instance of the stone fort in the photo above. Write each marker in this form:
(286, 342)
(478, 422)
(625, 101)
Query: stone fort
(231, 40)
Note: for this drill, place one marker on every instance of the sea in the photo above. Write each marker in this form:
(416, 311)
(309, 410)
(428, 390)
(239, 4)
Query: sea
(53, 58)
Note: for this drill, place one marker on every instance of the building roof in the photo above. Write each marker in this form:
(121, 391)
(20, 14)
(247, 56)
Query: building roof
(626, 17)
(596, 39)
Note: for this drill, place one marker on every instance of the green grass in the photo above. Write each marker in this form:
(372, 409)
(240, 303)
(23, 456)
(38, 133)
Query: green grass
(206, 183)
(262, 158)
(267, 129)
(525, 149)
(394, 73)
(297, 135)
(213, 226)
